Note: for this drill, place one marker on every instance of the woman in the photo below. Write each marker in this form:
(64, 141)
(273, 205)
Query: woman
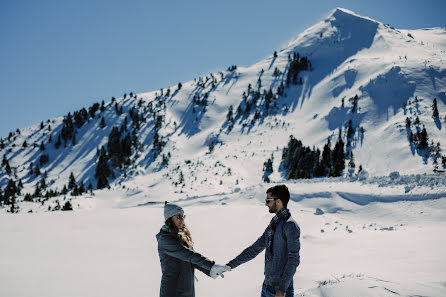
(178, 258)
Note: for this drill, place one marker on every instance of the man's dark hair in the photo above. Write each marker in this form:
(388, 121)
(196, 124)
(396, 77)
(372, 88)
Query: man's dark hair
(280, 192)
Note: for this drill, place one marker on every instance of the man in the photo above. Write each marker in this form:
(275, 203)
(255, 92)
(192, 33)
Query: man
(281, 241)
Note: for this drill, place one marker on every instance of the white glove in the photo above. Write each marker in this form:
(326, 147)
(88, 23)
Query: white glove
(217, 270)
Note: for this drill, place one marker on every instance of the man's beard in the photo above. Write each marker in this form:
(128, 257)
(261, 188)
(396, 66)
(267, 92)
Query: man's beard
(273, 209)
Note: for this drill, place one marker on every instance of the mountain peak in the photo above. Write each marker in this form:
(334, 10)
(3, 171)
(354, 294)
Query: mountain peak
(342, 15)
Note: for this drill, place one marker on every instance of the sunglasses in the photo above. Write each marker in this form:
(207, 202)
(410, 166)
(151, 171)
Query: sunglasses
(181, 217)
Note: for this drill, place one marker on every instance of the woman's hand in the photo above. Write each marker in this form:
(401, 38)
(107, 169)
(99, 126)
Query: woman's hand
(217, 270)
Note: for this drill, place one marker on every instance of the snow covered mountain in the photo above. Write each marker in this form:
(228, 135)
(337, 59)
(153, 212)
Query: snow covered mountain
(348, 76)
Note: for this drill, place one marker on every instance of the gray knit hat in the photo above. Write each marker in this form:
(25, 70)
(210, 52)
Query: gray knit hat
(171, 209)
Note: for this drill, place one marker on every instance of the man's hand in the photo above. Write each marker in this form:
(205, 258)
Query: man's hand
(217, 270)
(280, 294)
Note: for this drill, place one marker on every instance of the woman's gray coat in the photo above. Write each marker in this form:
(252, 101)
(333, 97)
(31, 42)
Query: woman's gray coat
(177, 265)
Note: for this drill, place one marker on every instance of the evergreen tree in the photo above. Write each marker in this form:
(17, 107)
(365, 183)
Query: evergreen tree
(37, 170)
(408, 123)
(71, 182)
(4, 160)
(350, 130)
(81, 188)
(435, 109)
(44, 158)
(230, 115)
(180, 86)
(93, 109)
(25, 145)
(355, 103)
(267, 169)
(58, 142)
(102, 170)
(326, 157)
(417, 120)
(8, 169)
(37, 192)
(75, 191)
(423, 139)
(338, 157)
(67, 128)
(64, 190)
(10, 192)
(102, 123)
(67, 206)
(351, 163)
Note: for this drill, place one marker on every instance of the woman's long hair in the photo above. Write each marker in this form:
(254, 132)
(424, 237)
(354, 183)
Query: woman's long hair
(183, 234)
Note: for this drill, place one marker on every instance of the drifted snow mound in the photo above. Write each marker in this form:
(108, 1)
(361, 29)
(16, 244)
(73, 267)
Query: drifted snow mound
(364, 286)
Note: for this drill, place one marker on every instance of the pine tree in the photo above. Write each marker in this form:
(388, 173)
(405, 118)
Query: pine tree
(417, 120)
(435, 108)
(8, 169)
(102, 123)
(58, 142)
(423, 139)
(71, 182)
(102, 170)
(351, 163)
(326, 157)
(64, 190)
(408, 123)
(350, 130)
(268, 169)
(10, 192)
(67, 128)
(37, 192)
(338, 157)
(230, 115)
(355, 103)
(67, 206)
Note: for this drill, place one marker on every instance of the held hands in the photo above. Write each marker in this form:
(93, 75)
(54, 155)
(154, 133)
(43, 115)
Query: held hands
(217, 270)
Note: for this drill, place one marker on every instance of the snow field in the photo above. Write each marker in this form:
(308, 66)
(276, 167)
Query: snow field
(370, 250)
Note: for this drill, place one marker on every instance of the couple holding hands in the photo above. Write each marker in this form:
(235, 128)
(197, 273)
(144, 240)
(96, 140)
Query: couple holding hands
(280, 240)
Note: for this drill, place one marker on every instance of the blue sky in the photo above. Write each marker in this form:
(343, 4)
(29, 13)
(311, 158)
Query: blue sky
(59, 56)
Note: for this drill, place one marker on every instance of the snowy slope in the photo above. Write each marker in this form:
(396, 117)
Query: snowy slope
(349, 54)
(347, 249)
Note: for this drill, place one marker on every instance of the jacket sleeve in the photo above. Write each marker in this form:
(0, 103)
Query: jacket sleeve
(204, 270)
(174, 248)
(249, 253)
(292, 232)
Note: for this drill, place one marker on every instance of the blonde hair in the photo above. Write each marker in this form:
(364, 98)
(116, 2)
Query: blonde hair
(184, 234)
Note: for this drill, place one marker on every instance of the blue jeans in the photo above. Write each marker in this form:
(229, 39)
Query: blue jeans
(270, 291)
